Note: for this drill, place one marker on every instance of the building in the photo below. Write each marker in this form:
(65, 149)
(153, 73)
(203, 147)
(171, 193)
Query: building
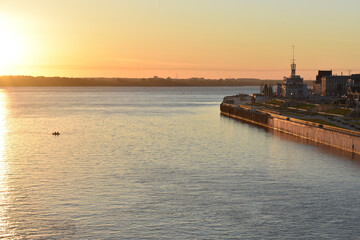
(354, 80)
(353, 90)
(292, 87)
(317, 82)
(327, 84)
(334, 85)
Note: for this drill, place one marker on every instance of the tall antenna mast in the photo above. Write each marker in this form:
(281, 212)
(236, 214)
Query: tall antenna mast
(293, 59)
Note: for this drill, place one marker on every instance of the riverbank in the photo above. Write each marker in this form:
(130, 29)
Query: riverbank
(342, 138)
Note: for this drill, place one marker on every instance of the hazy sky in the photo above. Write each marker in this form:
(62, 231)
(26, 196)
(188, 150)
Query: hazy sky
(184, 38)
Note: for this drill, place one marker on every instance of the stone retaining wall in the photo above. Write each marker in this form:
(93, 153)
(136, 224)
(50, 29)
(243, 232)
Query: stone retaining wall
(336, 137)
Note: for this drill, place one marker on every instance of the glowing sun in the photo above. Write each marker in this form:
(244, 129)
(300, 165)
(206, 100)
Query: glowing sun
(11, 49)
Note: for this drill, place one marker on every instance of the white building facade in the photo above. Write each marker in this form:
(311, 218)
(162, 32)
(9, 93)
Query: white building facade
(292, 87)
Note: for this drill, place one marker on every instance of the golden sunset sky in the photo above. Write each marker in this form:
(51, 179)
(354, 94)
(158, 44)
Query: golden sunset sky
(184, 38)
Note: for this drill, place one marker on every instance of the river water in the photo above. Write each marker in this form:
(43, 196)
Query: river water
(162, 163)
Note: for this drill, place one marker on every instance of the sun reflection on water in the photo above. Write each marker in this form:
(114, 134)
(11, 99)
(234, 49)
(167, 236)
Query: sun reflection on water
(4, 188)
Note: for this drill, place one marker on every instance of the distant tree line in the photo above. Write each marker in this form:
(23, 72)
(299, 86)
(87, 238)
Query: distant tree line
(22, 81)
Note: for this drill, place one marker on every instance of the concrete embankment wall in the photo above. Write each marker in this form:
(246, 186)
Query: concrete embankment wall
(244, 113)
(343, 139)
(333, 138)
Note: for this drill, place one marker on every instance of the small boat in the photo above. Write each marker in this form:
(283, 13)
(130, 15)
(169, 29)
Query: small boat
(56, 133)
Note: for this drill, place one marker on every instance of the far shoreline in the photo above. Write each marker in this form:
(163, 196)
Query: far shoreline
(40, 81)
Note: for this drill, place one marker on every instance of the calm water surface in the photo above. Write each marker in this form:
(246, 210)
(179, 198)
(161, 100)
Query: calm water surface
(161, 163)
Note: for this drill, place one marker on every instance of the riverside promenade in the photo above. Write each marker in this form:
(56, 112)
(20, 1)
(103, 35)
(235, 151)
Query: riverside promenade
(342, 138)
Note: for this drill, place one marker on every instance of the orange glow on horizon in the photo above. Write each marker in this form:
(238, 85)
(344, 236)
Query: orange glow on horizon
(144, 38)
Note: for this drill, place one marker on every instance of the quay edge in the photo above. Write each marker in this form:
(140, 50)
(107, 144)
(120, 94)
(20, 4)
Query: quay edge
(347, 140)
